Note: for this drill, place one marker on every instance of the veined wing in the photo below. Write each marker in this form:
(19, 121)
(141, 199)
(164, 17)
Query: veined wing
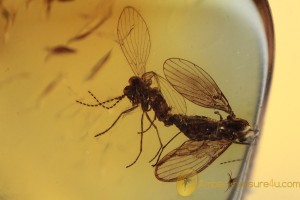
(174, 100)
(189, 159)
(196, 85)
(134, 39)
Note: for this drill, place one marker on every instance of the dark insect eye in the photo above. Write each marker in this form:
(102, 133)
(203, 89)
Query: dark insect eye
(134, 80)
(127, 90)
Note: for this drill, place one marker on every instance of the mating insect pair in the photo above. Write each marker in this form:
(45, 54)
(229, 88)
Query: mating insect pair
(208, 138)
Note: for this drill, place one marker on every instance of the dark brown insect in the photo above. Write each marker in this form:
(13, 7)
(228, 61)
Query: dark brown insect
(232, 181)
(208, 138)
(134, 40)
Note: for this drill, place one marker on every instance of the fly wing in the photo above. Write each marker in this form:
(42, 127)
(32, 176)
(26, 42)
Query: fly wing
(173, 98)
(196, 85)
(189, 159)
(134, 39)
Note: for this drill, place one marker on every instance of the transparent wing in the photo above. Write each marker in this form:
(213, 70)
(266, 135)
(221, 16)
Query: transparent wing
(173, 98)
(134, 39)
(189, 159)
(196, 85)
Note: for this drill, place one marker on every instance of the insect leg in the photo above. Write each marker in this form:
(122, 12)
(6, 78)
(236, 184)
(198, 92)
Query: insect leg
(151, 124)
(141, 141)
(157, 132)
(232, 181)
(122, 113)
(162, 149)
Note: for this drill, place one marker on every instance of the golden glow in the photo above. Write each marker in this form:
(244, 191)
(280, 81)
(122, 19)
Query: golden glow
(47, 146)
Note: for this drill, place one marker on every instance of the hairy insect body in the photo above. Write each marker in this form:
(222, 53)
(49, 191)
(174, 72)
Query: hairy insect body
(197, 127)
(204, 128)
(141, 93)
(160, 106)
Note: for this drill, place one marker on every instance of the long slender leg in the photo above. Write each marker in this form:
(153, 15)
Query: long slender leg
(122, 113)
(141, 141)
(159, 139)
(151, 124)
(162, 149)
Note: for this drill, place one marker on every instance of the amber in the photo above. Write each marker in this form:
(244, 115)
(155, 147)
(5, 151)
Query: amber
(53, 52)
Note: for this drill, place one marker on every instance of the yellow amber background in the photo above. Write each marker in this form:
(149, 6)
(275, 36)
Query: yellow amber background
(278, 150)
(47, 146)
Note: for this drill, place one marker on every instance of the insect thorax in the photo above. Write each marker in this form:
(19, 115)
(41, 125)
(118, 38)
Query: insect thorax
(159, 106)
(137, 92)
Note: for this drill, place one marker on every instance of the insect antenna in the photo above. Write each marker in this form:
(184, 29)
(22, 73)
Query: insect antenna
(230, 161)
(117, 99)
(218, 113)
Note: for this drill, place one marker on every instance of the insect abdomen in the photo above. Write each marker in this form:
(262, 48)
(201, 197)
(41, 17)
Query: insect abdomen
(197, 127)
